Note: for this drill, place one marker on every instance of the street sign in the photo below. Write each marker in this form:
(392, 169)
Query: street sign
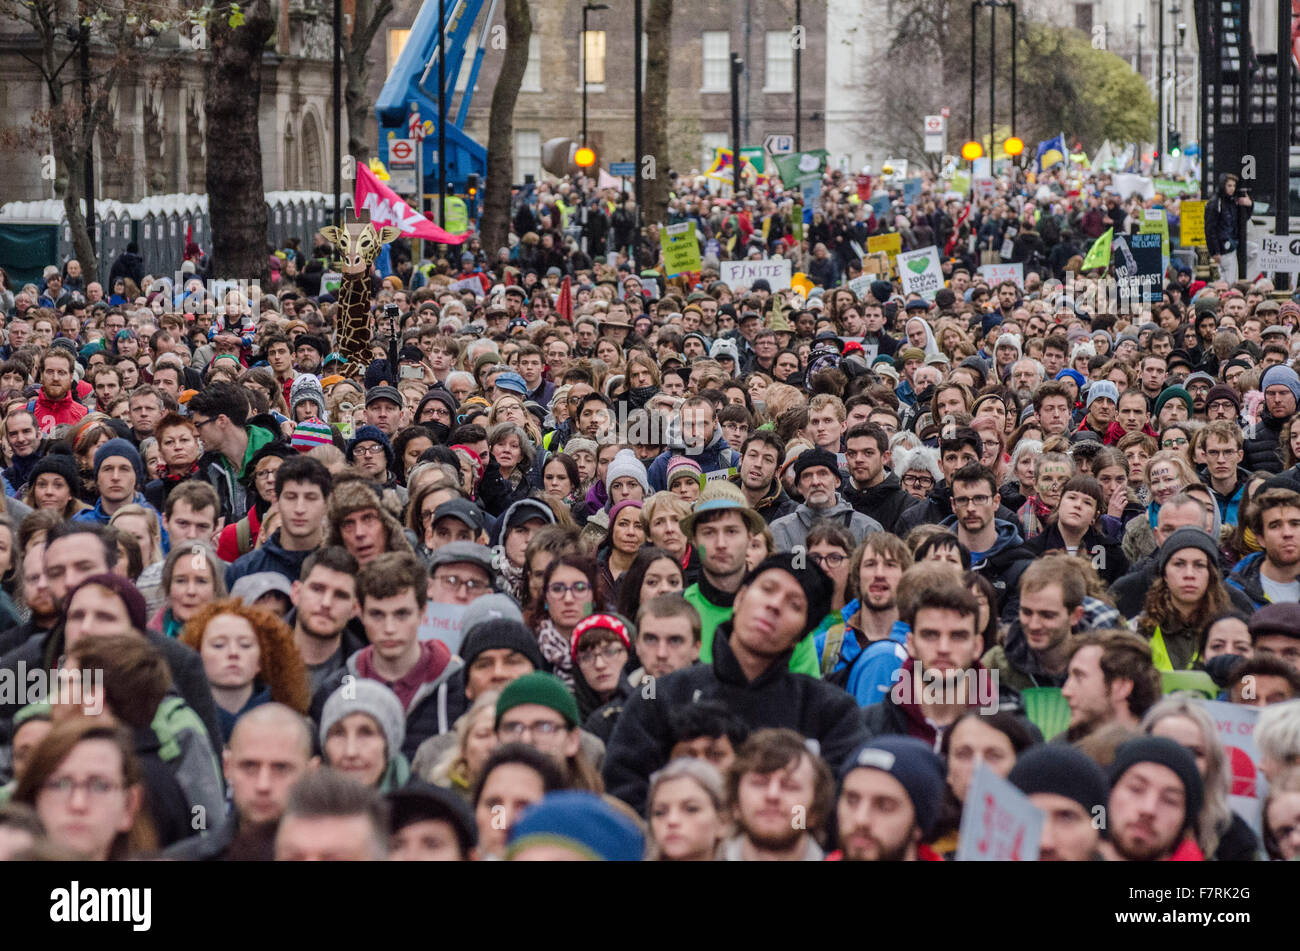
(402, 180)
(623, 169)
(779, 144)
(401, 153)
(936, 135)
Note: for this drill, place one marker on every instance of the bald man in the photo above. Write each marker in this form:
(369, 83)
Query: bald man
(270, 750)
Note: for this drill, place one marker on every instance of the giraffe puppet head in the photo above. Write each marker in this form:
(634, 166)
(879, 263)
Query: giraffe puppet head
(358, 241)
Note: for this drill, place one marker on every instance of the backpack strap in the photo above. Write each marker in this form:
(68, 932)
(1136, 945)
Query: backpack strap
(244, 536)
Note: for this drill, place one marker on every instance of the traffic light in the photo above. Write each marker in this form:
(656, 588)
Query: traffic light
(563, 156)
(1013, 146)
(972, 150)
(1174, 143)
(471, 185)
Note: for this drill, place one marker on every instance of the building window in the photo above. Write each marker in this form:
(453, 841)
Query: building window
(533, 71)
(778, 75)
(396, 43)
(1083, 17)
(711, 142)
(528, 153)
(591, 60)
(715, 49)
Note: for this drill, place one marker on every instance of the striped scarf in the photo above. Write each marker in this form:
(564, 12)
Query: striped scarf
(555, 649)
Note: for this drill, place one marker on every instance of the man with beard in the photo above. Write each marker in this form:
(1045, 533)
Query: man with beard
(1037, 647)
(269, 750)
(870, 487)
(1070, 790)
(56, 404)
(760, 457)
(324, 619)
(309, 353)
(1270, 576)
(1026, 375)
(1156, 796)
(1110, 679)
(773, 778)
(817, 477)
(889, 801)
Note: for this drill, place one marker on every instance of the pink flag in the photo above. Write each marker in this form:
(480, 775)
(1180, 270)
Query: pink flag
(386, 208)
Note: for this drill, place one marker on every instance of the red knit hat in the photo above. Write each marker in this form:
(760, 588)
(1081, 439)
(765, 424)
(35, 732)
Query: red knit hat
(604, 622)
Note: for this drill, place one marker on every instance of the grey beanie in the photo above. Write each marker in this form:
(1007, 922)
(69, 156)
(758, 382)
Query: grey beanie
(1188, 537)
(625, 463)
(306, 388)
(362, 695)
(488, 607)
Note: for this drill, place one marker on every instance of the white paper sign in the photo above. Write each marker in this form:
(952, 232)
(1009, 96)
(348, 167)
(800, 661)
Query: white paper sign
(471, 284)
(741, 275)
(995, 274)
(921, 272)
(442, 622)
(1235, 723)
(861, 286)
(998, 823)
(1279, 254)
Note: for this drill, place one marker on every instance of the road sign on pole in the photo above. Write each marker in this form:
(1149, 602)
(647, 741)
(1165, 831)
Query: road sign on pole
(936, 135)
(401, 153)
(779, 144)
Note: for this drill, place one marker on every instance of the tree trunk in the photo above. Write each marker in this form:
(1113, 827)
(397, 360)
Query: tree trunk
(501, 145)
(73, 162)
(659, 30)
(367, 18)
(236, 196)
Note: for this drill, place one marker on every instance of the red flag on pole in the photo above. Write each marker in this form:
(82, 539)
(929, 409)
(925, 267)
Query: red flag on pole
(564, 306)
(387, 208)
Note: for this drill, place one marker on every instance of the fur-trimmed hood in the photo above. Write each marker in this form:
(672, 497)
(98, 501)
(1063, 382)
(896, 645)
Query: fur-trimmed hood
(354, 495)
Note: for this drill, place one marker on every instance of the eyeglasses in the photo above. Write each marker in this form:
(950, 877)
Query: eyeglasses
(1172, 442)
(200, 423)
(96, 787)
(920, 482)
(457, 581)
(832, 560)
(558, 589)
(589, 655)
(976, 500)
(268, 473)
(368, 449)
(540, 728)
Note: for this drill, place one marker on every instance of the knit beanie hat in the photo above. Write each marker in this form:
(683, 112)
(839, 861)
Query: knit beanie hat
(498, 634)
(1103, 389)
(1064, 771)
(120, 447)
(1008, 340)
(817, 586)
(136, 609)
(363, 695)
(1074, 375)
(315, 341)
(370, 433)
(683, 466)
(1280, 374)
(306, 388)
(1187, 537)
(916, 767)
(488, 607)
(581, 822)
(1173, 393)
(310, 433)
(601, 622)
(625, 504)
(811, 458)
(582, 444)
(1222, 391)
(625, 463)
(545, 690)
(61, 465)
(1166, 752)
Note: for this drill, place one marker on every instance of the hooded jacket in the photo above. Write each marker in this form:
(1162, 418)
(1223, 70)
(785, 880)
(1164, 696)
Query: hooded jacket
(1263, 445)
(885, 502)
(717, 456)
(909, 719)
(50, 413)
(1245, 578)
(642, 739)
(1003, 564)
(774, 504)
(1229, 503)
(1017, 665)
(791, 530)
(935, 509)
(432, 710)
(271, 556)
(232, 492)
(1106, 555)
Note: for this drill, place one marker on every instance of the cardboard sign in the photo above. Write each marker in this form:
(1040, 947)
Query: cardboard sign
(741, 275)
(1191, 224)
(681, 248)
(999, 823)
(891, 244)
(442, 622)
(1235, 723)
(985, 187)
(1149, 263)
(995, 274)
(861, 286)
(921, 272)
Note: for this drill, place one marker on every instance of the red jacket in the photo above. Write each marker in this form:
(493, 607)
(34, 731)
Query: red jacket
(51, 413)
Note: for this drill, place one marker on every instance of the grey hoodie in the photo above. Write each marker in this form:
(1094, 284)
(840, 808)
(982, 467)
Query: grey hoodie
(791, 531)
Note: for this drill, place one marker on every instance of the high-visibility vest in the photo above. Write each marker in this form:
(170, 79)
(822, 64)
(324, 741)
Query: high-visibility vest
(1160, 653)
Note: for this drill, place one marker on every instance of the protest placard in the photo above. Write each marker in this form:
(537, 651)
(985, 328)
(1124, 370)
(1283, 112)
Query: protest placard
(921, 272)
(1235, 724)
(1148, 264)
(890, 243)
(681, 248)
(471, 284)
(1191, 224)
(442, 622)
(998, 823)
(995, 274)
(741, 275)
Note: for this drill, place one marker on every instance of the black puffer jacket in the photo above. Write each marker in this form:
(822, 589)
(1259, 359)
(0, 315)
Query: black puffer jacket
(1263, 445)
(641, 740)
(884, 502)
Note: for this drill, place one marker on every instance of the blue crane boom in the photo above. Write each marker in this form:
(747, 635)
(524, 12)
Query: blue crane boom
(414, 81)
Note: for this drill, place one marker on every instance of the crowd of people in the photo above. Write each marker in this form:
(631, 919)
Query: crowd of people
(599, 564)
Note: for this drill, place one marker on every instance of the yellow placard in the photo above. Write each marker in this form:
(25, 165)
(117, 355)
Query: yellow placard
(1191, 224)
(891, 244)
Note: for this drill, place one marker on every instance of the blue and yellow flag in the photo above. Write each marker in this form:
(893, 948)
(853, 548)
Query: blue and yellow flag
(1052, 152)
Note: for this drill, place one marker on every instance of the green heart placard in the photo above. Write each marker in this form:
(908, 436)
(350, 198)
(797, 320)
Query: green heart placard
(918, 265)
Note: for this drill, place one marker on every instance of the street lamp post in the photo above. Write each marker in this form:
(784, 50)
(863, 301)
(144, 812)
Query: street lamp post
(737, 67)
(586, 8)
(1160, 89)
(798, 80)
(338, 112)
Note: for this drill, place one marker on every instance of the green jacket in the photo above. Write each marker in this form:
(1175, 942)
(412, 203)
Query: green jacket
(802, 661)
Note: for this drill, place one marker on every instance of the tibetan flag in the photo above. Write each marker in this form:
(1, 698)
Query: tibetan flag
(1052, 152)
(1099, 253)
